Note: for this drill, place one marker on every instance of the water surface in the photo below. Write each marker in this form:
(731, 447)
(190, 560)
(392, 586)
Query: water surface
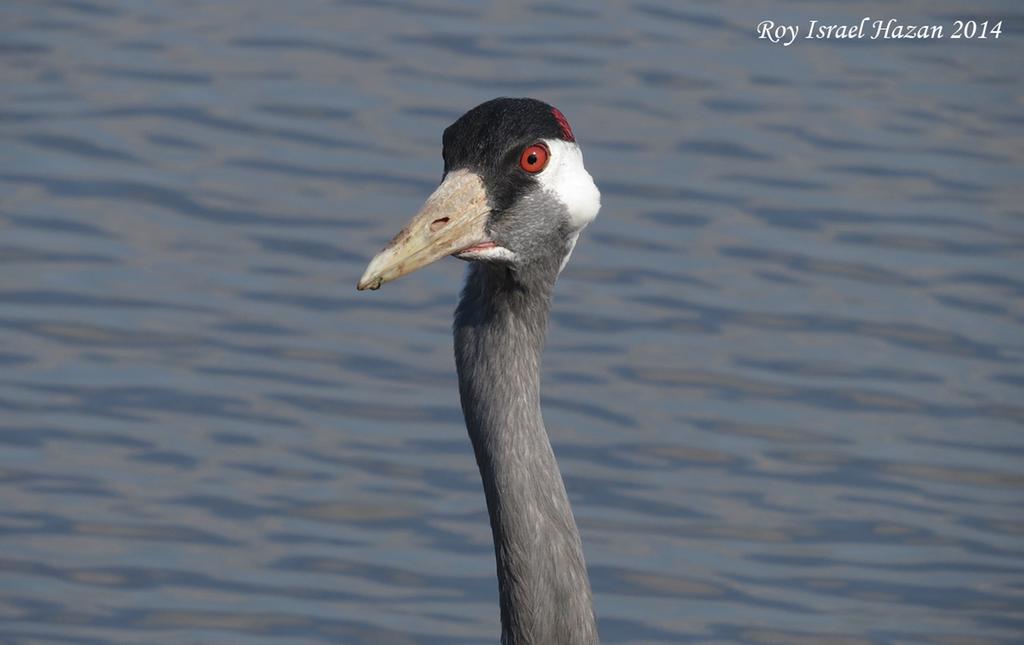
(783, 375)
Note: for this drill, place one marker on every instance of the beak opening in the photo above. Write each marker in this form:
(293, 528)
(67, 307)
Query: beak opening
(451, 220)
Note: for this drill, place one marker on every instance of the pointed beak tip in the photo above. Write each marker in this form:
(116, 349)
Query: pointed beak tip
(372, 284)
(372, 277)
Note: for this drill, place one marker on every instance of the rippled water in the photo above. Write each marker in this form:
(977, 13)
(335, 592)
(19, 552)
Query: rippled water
(783, 377)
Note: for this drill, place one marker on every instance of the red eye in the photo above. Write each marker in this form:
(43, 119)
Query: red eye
(534, 158)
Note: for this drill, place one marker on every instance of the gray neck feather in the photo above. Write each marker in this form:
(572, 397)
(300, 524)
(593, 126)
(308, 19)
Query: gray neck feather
(500, 325)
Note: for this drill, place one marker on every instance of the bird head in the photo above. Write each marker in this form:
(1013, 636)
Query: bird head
(514, 192)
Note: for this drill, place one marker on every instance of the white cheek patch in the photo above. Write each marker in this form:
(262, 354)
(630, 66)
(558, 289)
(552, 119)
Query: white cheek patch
(570, 182)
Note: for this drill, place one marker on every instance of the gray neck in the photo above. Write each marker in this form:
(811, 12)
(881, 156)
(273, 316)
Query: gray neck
(499, 337)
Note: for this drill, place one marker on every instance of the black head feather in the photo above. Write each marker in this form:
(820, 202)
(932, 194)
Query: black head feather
(489, 138)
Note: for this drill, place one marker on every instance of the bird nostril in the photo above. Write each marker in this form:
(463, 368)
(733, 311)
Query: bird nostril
(438, 224)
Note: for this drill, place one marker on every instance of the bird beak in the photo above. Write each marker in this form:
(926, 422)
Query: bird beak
(451, 220)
